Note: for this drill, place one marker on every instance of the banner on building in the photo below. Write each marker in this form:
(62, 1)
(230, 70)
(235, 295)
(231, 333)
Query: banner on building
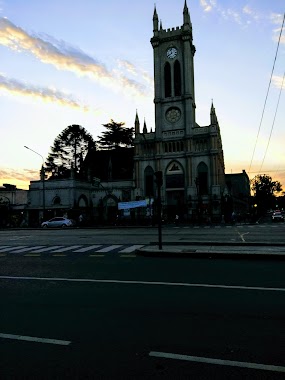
(132, 204)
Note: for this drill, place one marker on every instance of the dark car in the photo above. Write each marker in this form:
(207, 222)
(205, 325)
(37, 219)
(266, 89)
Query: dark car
(58, 222)
(277, 216)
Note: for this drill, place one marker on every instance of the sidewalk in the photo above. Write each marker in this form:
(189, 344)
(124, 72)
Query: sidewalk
(215, 250)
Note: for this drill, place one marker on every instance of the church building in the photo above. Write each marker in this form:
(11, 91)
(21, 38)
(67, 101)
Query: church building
(189, 156)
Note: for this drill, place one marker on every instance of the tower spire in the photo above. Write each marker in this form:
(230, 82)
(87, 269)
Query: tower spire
(186, 17)
(213, 115)
(144, 127)
(137, 124)
(155, 20)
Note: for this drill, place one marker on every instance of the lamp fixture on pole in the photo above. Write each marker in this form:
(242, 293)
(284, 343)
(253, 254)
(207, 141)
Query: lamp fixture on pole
(42, 175)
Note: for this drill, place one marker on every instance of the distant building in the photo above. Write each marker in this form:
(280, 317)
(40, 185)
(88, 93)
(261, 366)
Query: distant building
(238, 185)
(13, 203)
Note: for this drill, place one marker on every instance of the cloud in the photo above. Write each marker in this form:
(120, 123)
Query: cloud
(49, 95)
(9, 174)
(278, 81)
(64, 57)
(207, 5)
(135, 71)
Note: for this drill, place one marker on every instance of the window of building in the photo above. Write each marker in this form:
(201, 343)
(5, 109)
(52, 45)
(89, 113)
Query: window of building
(177, 79)
(202, 178)
(167, 80)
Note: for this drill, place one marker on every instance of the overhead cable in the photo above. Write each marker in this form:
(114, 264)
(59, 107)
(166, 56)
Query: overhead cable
(267, 93)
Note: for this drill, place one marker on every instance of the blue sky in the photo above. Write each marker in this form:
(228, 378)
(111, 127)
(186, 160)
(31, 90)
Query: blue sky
(87, 62)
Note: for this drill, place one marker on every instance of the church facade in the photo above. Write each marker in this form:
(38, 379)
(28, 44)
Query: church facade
(189, 156)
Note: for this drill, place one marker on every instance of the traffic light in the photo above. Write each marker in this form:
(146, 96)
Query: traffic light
(158, 178)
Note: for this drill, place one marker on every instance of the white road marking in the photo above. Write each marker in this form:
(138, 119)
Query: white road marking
(109, 248)
(131, 248)
(35, 339)
(241, 236)
(12, 248)
(27, 249)
(85, 249)
(232, 363)
(66, 248)
(156, 283)
(46, 249)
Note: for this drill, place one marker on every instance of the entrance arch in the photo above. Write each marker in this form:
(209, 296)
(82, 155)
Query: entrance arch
(175, 190)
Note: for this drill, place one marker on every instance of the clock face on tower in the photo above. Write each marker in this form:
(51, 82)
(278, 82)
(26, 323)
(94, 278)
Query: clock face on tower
(173, 114)
(171, 52)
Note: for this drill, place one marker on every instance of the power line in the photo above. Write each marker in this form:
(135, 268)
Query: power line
(273, 121)
(267, 93)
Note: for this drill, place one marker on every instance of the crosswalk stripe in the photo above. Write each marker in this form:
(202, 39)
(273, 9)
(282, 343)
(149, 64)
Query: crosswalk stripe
(109, 248)
(27, 249)
(66, 248)
(85, 249)
(132, 248)
(12, 248)
(46, 249)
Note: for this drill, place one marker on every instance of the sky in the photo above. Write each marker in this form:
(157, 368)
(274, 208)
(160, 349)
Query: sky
(87, 62)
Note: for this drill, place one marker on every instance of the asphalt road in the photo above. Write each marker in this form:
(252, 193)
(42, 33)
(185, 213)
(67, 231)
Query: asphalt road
(128, 317)
(271, 233)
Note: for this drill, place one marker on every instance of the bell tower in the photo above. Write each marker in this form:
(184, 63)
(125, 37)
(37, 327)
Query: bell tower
(174, 94)
(189, 156)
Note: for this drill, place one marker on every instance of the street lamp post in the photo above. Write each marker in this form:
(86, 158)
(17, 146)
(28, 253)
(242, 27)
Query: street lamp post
(43, 178)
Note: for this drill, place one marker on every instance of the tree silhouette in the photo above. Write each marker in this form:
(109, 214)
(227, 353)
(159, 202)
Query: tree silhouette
(116, 136)
(68, 152)
(264, 189)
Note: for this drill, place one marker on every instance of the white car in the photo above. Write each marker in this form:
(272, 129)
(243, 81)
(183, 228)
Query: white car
(58, 222)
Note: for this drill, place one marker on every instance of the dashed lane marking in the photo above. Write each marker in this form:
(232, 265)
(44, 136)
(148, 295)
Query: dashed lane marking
(127, 256)
(32, 255)
(96, 255)
(35, 339)
(232, 363)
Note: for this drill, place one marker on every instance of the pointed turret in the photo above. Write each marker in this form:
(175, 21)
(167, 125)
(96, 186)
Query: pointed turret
(137, 124)
(213, 115)
(144, 128)
(155, 21)
(186, 17)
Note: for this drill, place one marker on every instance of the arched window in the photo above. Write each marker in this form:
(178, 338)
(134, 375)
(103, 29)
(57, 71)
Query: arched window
(56, 200)
(202, 170)
(177, 79)
(167, 80)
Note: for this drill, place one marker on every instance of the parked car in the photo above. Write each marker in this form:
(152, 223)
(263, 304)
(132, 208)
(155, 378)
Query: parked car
(58, 222)
(277, 216)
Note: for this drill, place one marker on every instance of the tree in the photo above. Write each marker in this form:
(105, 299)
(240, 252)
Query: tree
(116, 136)
(68, 152)
(264, 189)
